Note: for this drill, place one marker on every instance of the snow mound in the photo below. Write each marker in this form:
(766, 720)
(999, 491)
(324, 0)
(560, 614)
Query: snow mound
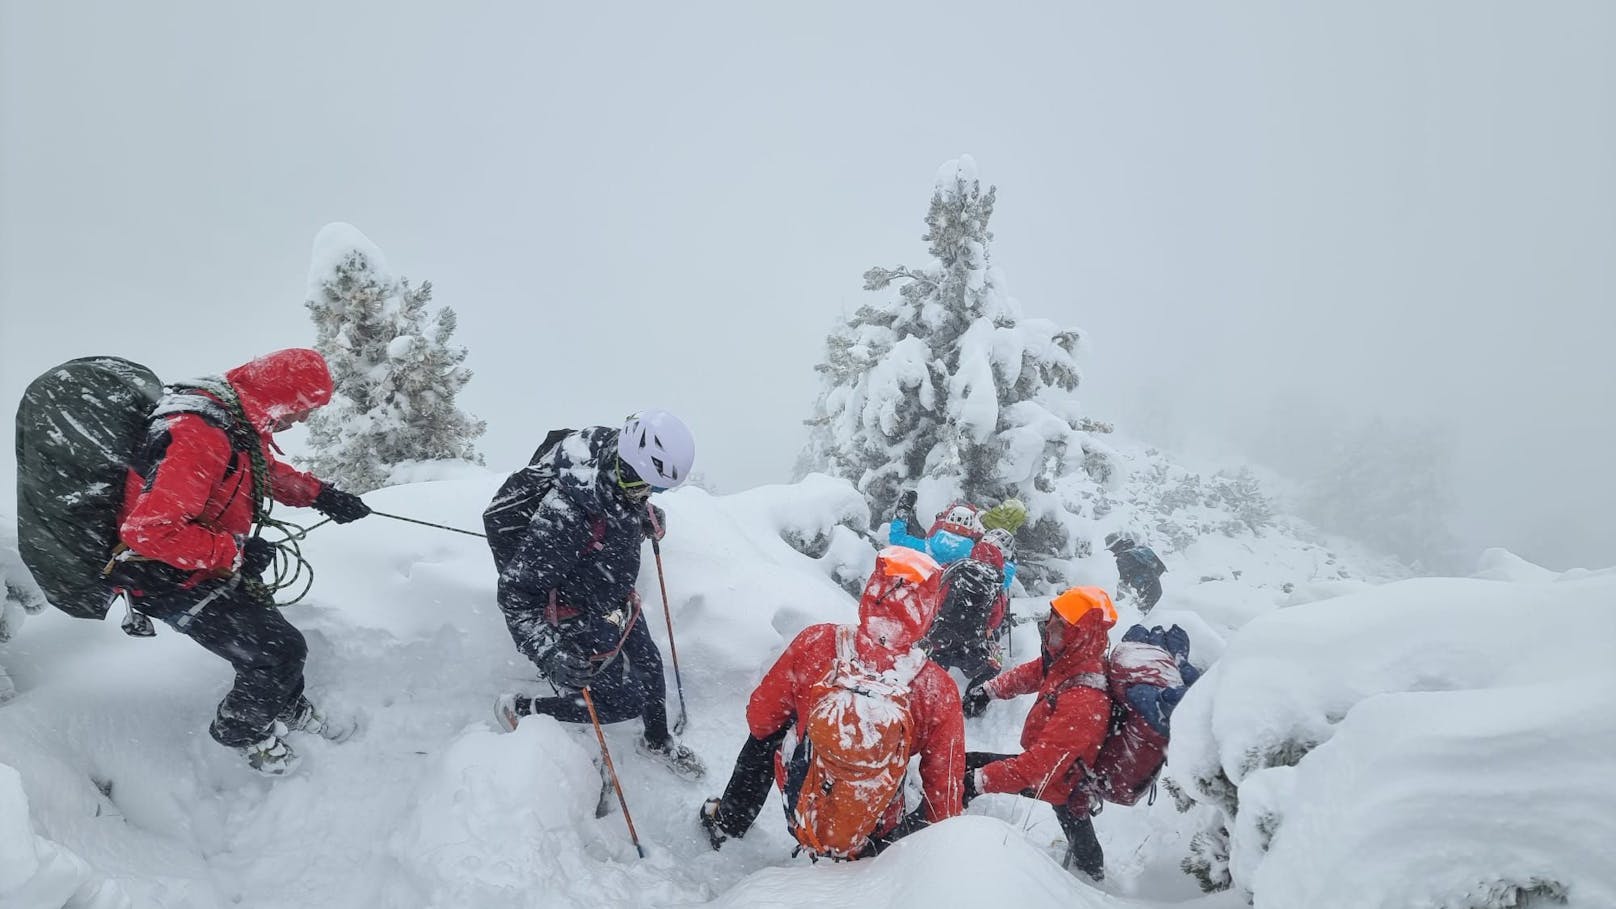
(1502, 565)
(36, 873)
(970, 861)
(1435, 742)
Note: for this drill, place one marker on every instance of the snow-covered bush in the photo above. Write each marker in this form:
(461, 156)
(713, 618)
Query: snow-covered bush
(1174, 506)
(18, 594)
(950, 389)
(395, 370)
(1435, 742)
(36, 873)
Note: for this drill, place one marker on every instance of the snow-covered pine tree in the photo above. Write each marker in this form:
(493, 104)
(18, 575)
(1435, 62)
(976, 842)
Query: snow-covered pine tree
(395, 370)
(950, 390)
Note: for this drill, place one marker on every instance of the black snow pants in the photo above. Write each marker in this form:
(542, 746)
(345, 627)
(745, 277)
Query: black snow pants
(1083, 850)
(630, 686)
(749, 784)
(266, 651)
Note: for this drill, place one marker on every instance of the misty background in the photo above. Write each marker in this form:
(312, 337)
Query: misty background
(1272, 222)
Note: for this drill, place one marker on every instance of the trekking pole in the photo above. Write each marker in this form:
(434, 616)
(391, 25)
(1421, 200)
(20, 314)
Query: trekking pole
(606, 755)
(667, 612)
(469, 533)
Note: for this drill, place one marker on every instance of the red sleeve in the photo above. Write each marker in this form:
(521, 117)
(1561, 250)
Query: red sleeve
(940, 739)
(291, 486)
(161, 524)
(774, 701)
(1075, 732)
(1023, 679)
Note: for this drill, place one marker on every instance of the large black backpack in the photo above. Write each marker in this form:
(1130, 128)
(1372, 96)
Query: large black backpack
(508, 515)
(969, 589)
(78, 426)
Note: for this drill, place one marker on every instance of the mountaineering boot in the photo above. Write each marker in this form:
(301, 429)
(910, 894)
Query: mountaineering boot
(708, 815)
(272, 756)
(1083, 854)
(303, 717)
(509, 710)
(680, 760)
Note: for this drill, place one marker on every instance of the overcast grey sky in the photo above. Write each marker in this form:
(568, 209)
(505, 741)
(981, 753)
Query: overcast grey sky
(1391, 208)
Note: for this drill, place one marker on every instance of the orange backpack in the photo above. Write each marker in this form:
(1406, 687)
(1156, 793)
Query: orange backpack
(850, 762)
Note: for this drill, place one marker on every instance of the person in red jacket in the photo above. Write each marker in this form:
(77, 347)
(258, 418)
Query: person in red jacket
(1066, 725)
(192, 497)
(896, 609)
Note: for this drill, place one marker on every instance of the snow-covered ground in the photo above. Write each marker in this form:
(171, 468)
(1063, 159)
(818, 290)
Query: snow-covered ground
(130, 803)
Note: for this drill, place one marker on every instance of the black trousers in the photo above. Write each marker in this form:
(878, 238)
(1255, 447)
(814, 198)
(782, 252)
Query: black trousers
(266, 651)
(630, 686)
(1082, 844)
(749, 784)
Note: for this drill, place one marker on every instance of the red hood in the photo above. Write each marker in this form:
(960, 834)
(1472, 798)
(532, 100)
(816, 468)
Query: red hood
(1082, 648)
(898, 604)
(280, 385)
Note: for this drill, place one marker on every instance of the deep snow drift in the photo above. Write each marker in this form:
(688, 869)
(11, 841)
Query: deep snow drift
(128, 800)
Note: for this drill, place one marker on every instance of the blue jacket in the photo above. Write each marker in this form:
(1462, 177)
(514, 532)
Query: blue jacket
(945, 547)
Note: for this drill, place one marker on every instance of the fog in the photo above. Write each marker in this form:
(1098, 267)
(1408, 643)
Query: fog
(1257, 209)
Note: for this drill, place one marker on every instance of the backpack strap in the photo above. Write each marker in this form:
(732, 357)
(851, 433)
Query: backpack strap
(213, 401)
(1095, 680)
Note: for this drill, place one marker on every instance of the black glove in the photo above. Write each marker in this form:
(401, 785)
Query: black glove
(658, 529)
(340, 506)
(976, 700)
(970, 786)
(565, 663)
(256, 557)
(905, 510)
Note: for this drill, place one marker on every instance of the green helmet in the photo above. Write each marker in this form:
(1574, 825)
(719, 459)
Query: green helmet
(1007, 515)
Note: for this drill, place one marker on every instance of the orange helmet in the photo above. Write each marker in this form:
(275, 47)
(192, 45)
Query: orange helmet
(1076, 602)
(900, 599)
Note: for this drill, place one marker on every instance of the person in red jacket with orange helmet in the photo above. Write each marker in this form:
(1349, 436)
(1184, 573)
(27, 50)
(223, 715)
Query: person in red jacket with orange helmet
(897, 607)
(1066, 725)
(196, 488)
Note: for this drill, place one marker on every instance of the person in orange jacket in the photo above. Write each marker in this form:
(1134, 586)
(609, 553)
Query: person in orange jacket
(897, 607)
(1066, 725)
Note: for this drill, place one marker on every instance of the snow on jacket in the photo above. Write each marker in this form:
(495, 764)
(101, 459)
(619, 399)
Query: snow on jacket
(887, 629)
(1067, 723)
(972, 606)
(195, 496)
(583, 541)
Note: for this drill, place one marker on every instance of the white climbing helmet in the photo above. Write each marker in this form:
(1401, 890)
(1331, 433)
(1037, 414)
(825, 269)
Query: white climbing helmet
(658, 447)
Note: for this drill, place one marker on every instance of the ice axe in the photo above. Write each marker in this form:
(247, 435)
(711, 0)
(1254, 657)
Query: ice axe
(606, 756)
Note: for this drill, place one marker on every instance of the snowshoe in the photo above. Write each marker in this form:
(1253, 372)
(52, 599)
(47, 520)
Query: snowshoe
(272, 756)
(304, 717)
(708, 815)
(679, 759)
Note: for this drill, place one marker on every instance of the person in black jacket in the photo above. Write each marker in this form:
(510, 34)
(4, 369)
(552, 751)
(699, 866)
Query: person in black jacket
(566, 575)
(1139, 569)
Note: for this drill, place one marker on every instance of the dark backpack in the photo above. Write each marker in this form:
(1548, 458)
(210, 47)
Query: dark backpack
(507, 516)
(1135, 748)
(78, 426)
(1140, 565)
